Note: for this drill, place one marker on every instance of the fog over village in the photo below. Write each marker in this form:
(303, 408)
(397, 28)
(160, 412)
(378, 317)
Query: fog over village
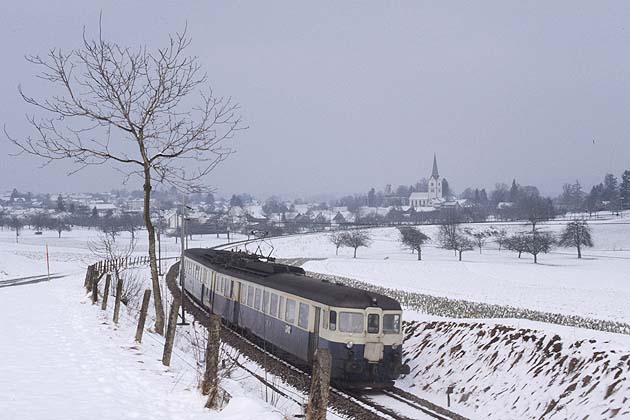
(326, 211)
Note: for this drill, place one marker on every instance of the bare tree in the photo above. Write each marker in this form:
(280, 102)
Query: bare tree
(130, 107)
(17, 224)
(453, 238)
(338, 240)
(538, 242)
(500, 237)
(413, 238)
(356, 239)
(62, 226)
(479, 237)
(517, 243)
(578, 234)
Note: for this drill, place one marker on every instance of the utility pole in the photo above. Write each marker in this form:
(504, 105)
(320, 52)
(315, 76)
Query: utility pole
(158, 237)
(182, 271)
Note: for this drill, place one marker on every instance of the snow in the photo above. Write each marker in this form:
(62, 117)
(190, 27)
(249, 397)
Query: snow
(595, 286)
(63, 358)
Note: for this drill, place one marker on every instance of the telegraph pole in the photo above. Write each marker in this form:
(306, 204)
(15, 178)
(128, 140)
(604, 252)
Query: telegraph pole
(182, 271)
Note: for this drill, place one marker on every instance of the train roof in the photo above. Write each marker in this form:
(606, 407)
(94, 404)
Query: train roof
(289, 279)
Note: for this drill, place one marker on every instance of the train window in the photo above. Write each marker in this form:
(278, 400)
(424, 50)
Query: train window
(289, 312)
(281, 307)
(265, 307)
(333, 320)
(243, 293)
(391, 323)
(372, 326)
(303, 315)
(350, 322)
(250, 296)
(325, 319)
(257, 299)
(273, 310)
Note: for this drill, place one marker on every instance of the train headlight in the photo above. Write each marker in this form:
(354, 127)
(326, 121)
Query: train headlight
(394, 346)
(349, 344)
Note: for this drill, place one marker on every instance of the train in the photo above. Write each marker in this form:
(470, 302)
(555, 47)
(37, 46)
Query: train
(296, 314)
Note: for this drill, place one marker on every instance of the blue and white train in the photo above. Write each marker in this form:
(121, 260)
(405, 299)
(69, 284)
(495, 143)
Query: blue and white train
(297, 314)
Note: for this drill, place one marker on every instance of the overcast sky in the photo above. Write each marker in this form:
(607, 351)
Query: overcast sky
(341, 96)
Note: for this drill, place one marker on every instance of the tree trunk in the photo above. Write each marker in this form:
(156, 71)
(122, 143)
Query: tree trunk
(535, 258)
(579, 251)
(419, 255)
(460, 255)
(355, 253)
(155, 280)
(337, 251)
(519, 254)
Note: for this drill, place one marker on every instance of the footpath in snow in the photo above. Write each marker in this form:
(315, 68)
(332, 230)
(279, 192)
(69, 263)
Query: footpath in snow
(63, 358)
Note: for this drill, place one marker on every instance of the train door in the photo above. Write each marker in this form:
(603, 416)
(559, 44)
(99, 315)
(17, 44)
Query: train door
(213, 286)
(236, 295)
(314, 338)
(373, 351)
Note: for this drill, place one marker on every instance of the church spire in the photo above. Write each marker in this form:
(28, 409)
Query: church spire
(435, 174)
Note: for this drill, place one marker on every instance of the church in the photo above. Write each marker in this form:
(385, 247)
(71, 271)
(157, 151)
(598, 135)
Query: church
(432, 197)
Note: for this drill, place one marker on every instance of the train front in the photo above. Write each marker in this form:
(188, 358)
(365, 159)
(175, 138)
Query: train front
(366, 346)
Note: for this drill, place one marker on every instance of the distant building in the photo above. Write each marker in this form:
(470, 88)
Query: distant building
(432, 197)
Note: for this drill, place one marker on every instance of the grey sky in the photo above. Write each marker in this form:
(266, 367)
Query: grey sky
(342, 96)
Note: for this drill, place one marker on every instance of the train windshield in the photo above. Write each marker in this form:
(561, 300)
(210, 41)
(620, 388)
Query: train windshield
(391, 323)
(372, 325)
(350, 322)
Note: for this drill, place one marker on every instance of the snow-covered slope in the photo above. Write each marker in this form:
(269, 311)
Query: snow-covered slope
(503, 372)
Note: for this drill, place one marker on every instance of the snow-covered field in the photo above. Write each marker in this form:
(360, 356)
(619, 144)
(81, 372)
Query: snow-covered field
(62, 358)
(596, 286)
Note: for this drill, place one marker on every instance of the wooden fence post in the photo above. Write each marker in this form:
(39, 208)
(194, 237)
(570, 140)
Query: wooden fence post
(118, 297)
(143, 315)
(95, 290)
(210, 383)
(108, 281)
(170, 333)
(88, 278)
(320, 383)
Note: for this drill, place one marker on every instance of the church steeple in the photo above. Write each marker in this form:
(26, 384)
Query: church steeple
(435, 174)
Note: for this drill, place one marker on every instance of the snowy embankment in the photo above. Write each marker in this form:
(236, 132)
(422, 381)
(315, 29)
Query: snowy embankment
(504, 372)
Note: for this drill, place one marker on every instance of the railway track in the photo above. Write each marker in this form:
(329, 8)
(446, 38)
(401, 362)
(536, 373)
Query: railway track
(393, 404)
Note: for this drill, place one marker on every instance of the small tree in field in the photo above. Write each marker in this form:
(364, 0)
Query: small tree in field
(463, 243)
(479, 237)
(338, 240)
(500, 237)
(516, 243)
(576, 234)
(356, 239)
(538, 242)
(62, 226)
(413, 238)
(454, 239)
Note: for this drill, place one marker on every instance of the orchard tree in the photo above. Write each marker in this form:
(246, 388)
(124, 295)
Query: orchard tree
(517, 243)
(62, 226)
(479, 236)
(576, 234)
(136, 109)
(356, 239)
(500, 237)
(413, 238)
(338, 239)
(538, 242)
